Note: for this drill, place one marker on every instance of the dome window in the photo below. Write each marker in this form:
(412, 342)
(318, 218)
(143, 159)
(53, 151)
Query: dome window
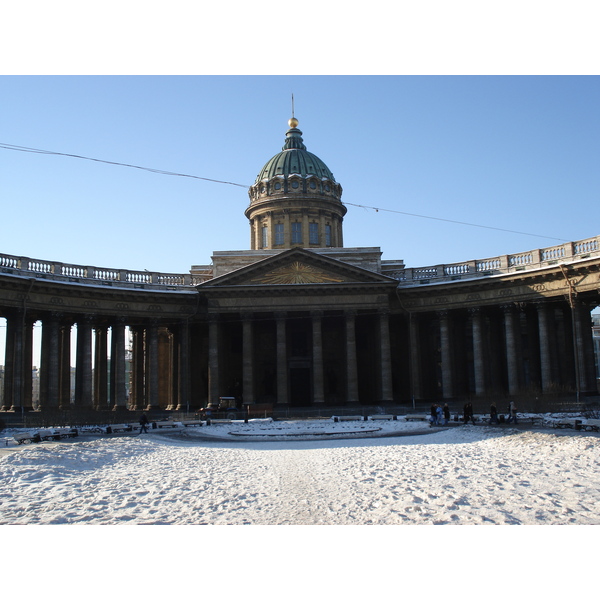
(295, 184)
(277, 186)
(313, 185)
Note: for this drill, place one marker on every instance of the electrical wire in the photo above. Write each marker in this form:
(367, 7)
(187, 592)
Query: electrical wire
(109, 162)
(457, 222)
(161, 172)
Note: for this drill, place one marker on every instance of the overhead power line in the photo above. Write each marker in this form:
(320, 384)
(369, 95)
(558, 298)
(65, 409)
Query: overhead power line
(110, 162)
(457, 222)
(161, 172)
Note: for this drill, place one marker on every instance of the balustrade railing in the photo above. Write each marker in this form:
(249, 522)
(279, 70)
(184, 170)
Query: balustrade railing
(533, 259)
(27, 267)
(21, 265)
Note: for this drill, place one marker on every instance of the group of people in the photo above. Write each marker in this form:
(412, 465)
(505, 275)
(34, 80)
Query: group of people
(438, 414)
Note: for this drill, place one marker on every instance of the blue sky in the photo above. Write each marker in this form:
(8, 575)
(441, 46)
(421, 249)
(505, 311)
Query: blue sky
(517, 153)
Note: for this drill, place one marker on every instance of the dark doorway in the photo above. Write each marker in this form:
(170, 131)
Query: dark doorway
(300, 388)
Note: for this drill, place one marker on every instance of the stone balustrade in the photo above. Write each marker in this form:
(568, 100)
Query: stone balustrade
(29, 267)
(534, 259)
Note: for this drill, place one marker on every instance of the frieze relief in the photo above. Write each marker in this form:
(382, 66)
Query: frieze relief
(297, 272)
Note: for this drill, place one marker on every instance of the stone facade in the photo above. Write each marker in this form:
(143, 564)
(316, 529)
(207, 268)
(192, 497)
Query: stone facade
(299, 324)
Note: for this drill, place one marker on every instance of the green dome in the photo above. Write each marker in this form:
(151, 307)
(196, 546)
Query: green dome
(294, 160)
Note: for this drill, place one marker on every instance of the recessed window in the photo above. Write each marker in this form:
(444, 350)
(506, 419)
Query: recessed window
(278, 234)
(295, 183)
(265, 236)
(277, 186)
(327, 235)
(296, 233)
(313, 185)
(313, 233)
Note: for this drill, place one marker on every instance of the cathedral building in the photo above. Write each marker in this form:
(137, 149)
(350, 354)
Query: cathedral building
(298, 321)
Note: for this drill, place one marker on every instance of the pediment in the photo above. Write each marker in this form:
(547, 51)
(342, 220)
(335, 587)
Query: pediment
(297, 267)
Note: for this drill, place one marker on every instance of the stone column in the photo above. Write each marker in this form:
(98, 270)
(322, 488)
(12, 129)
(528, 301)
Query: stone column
(28, 366)
(83, 366)
(101, 369)
(282, 367)
(64, 368)
(415, 357)
(584, 349)
(317, 356)
(446, 352)
(13, 372)
(213, 358)
(184, 400)
(9, 363)
(117, 365)
(137, 368)
(512, 349)
(305, 232)
(287, 229)
(545, 351)
(386, 357)
(351, 362)
(49, 374)
(322, 237)
(152, 366)
(166, 369)
(247, 359)
(478, 351)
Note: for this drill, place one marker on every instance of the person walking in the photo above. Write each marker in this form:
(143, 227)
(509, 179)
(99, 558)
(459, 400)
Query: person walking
(434, 417)
(446, 414)
(468, 413)
(143, 423)
(493, 414)
(438, 413)
(512, 413)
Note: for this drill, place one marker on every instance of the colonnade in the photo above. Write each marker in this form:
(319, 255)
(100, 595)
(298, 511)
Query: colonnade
(301, 358)
(102, 379)
(294, 346)
(545, 345)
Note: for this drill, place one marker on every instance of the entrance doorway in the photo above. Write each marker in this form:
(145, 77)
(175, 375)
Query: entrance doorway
(300, 386)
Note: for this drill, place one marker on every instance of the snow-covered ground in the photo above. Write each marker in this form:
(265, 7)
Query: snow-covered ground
(306, 473)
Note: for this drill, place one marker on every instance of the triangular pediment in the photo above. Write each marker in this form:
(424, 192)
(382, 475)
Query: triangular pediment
(297, 267)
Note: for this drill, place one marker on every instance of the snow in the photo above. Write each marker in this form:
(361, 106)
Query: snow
(307, 473)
